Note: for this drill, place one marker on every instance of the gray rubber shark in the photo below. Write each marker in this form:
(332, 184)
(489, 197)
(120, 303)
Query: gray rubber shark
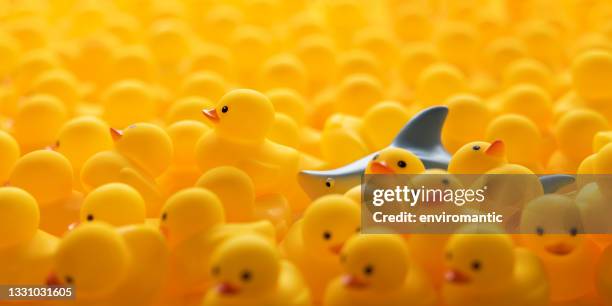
(421, 135)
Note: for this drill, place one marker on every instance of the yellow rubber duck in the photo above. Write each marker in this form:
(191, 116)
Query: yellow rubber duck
(183, 171)
(530, 101)
(382, 122)
(58, 83)
(47, 176)
(38, 121)
(357, 93)
(593, 209)
(318, 54)
(109, 266)
(248, 270)
(242, 120)
(575, 132)
(127, 102)
(437, 82)
(203, 84)
(80, 138)
(395, 161)
(193, 224)
(360, 62)
(188, 109)
(567, 255)
(142, 152)
(26, 253)
(283, 71)
(522, 137)
(318, 238)
(589, 70)
(117, 204)
(378, 271)
(478, 157)
(528, 71)
(467, 114)
(489, 259)
(9, 153)
(236, 191)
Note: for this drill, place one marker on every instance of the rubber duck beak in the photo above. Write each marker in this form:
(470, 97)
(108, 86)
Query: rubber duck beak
(73, 225)
(211, 114)
(377, 167)
(164, 231)
(456, 277)
(52, 280)
(227, 289)
(560, 249)
(116, 134)
(496, 149)
(336, 248)
(352, 281)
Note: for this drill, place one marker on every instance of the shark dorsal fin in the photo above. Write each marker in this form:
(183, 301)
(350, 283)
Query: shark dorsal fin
(424, 130)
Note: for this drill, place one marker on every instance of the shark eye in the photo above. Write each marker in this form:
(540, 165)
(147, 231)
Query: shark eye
(401, 164)
(375, 157)
(476, 148)
(329, 183)
(224, 109)
(540, 231)
(368, 270)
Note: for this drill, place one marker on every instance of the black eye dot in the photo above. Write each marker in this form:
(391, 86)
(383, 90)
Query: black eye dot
(476, 265)
(539, 231)
(164, 216)
(246, 276)
(375, 157)
(327, 235)
(68, 279)
(224, 109)
(476, 148)
(573, 231)
(445, 181)
(216, 270)
(368, 270)
(90, 217)
(358, 230)
(401, 164)
(327, 184)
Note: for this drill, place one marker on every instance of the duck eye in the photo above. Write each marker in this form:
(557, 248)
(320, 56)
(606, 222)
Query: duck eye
(246, 276)
(329, 183)
(358, 229)
(445, 181)
(573, 231)
(476, 265)
(216, 270)
(68, 279)
(90, 217)
(164, 216)
(375, 157)
(401, 164)
(540, 231)
(476, 148)
(327, 235)
(224, 109)
(368, 270)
